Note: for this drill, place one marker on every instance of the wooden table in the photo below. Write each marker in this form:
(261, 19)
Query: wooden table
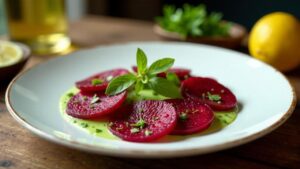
(21, 149)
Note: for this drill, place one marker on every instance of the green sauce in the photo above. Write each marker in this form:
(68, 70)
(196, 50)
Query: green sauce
(100, 128)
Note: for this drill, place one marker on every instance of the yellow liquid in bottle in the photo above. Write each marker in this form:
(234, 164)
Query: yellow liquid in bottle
(41, 24)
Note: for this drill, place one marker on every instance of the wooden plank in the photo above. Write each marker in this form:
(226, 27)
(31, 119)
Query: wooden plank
(281, 147)
(21, 149)
(92, 31)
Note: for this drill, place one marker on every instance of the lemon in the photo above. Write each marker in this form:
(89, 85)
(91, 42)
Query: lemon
(275, 39)
(10, 53)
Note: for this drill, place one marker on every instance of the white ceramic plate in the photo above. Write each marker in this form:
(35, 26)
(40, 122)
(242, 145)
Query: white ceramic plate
(266, 97)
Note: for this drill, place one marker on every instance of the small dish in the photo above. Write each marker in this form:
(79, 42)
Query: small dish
(8, 72)
(237, 34)
(32, 97)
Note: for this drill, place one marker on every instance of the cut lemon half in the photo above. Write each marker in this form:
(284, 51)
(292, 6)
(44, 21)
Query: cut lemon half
(10, 53)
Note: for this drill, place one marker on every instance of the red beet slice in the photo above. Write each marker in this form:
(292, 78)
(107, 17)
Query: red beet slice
(193, 116)
(94, 105)
(87, 84)
(210, 92)
(180, 72)
(143, 121)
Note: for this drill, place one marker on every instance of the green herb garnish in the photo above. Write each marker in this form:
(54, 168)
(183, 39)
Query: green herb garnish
(146, 78)
(98, 130)
(148, 132)
(141, 123)
(183, 116)
(173, 78)
(96, 81)
(193, 21)
(95, 99)
(134, 130)
(70, 94)
(84, 125)
(108, 78)
(213, 97)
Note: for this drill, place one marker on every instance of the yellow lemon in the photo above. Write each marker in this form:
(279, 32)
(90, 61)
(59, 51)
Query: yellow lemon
(10, 53)
(275, 39)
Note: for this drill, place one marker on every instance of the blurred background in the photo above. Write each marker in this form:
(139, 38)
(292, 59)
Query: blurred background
(245, 12)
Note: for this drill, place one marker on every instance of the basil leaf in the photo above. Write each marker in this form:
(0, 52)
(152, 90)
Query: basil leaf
(141, 60)
(138, 86)
(193, 21)
(119, 84)
(164, 87)
(161, 65)
(172, 77)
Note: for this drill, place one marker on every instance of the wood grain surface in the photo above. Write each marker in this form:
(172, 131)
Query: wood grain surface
(22, 150)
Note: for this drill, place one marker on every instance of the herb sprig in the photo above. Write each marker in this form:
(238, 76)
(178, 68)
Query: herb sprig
(193, 21)
(146, 77)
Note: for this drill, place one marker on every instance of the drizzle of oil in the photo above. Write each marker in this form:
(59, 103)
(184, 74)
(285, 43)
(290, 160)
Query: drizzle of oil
(100, 127)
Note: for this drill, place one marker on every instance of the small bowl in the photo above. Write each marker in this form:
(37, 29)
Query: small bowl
(8, 72)
(236, 35)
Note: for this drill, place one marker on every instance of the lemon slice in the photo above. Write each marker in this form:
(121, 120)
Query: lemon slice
(10, 53)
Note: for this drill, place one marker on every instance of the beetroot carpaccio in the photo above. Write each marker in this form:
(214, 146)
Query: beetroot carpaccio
(184, 108)
(143, 121)
(193, 116)
(209, 91)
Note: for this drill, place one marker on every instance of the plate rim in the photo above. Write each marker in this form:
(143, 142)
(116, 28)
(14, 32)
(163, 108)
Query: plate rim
(127, 152)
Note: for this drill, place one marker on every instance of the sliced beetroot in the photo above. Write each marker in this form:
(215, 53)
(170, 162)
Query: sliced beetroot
(193, 116)
(210, 92)
(94, 105)
(180, 72)
(143, 121)
(99, 82)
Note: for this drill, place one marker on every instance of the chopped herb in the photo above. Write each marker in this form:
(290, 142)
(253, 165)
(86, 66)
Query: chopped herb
(140, 110)
(84, 98)
(119, 128)
(134, 130)
(155, 118)
(95, 99)
(98, 130)
(183, 116)
(96, 81)
(141, 123)
(213, 97)
(70, 94)
(148, 132)
(108, 78)
(84, 125)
